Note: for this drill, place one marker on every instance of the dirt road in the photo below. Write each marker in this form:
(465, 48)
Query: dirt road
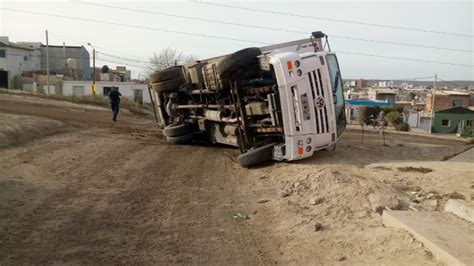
(100, 192)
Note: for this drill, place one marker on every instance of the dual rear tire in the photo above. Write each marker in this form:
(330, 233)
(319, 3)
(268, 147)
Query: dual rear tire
(179, 134)
(168, 80)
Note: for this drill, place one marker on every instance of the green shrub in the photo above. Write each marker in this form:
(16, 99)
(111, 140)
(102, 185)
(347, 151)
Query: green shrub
(403, 126)
(394, 118)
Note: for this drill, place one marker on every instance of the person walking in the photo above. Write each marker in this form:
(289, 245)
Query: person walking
(114, 97)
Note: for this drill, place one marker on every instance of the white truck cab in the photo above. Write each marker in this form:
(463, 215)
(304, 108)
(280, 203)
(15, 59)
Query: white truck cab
(311, 96)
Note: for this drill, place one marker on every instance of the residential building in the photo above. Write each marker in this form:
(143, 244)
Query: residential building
(386, 84)
(445, 99)
(453, 120)
(136, 92)
(410, 106)
(379, 94)
(15, 59)
(361, 83)
(120, 74)
(28, 58)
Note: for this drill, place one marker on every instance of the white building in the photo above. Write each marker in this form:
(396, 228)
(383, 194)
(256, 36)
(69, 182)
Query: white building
(16, 58)
(133, 91)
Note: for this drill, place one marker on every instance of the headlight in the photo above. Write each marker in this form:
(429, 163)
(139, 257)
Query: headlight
(308, 140)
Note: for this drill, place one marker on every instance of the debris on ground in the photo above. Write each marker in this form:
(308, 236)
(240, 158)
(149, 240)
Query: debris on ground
(339, 257)
(240, 216)
(316, 201)
(317, 227)
(379, 202)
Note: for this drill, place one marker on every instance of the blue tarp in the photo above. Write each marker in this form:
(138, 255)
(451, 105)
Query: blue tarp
(368, 102)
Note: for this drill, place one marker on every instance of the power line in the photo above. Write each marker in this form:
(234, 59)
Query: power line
(123, 63)
(216, 37)
(336, 20)
(123, 58)
(450, 82)
(405, 58)
(429, 77)
(273, 28)
(134, 26)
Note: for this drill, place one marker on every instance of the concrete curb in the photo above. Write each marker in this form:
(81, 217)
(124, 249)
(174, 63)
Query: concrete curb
(447, 237)
(460, 208)
(448, 137)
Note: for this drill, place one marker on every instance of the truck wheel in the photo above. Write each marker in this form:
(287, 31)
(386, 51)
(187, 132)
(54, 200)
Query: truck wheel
(177, 130)
(167, 74)
(183, 139)
(256, 156)
(331, 147)
(168, 85)
(237, 63)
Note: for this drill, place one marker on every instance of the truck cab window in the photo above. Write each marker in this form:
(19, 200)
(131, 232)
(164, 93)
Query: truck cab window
(338, 93)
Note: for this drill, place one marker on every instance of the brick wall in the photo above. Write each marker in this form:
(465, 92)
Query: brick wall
(445, 101)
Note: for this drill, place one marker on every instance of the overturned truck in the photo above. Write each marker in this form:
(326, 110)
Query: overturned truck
(280, 102)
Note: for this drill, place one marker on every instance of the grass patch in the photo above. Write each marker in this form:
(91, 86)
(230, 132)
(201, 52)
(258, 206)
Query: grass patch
(97, 100)
(415, 169)
(382, 168)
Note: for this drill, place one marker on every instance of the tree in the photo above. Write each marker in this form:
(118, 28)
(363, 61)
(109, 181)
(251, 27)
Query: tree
(169, 57)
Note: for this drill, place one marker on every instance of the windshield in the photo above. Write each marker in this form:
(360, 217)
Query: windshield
(337, 91)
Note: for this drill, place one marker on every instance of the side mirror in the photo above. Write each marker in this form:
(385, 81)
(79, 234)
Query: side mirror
(335, 98)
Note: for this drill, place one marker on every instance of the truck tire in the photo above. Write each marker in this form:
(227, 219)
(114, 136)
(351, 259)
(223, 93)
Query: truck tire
(167, 74)
(168, 85)
(177, 130)
(240, 63)
(256, 156)
(183, 139)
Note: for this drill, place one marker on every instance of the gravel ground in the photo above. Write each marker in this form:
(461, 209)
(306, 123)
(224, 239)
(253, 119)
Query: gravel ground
(116, 193)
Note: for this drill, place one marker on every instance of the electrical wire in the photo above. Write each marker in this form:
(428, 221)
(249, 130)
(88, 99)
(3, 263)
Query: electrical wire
(216, 37)
(335, 20)
(273, 28)
(450, 82)
(133, 26)
(429, 77)
(123, 63)
(122, 58)
(404, 58)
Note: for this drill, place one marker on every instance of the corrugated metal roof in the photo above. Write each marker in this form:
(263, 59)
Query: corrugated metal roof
(368, 102)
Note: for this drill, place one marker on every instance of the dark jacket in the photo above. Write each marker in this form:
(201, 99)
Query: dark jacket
(114, 96)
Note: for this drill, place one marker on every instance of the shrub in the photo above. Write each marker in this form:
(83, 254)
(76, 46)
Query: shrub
(394, 118)
(403, 126)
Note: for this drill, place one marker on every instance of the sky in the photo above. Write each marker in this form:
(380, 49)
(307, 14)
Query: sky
(140, 42)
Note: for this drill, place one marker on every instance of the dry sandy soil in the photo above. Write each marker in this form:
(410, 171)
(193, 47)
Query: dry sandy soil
(99, 192)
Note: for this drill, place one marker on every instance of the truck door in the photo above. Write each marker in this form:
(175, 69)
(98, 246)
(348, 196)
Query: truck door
(338, 93)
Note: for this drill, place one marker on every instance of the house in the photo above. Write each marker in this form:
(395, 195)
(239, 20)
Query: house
(453, 120)
(15, 59)
(379, 94)
(352, 107)
(410, 106)
(136, 92)
(445, 99)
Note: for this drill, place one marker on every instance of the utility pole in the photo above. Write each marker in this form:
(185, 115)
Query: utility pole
(433, 101)
(47, 61)
(93, 72)
(93, 68)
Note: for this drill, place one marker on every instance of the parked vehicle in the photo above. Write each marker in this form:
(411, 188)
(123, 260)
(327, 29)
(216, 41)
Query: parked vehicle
(281, 102)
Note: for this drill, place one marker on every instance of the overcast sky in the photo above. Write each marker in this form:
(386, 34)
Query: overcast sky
(140, 44)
